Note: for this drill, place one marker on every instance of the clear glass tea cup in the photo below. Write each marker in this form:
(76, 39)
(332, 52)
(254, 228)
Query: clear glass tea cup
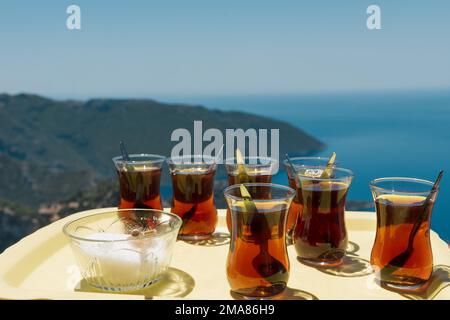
(320, 236)
(401, 255)
(257, 170)
(258, 263)
(139, 181)
(296, 207)
(193, 195)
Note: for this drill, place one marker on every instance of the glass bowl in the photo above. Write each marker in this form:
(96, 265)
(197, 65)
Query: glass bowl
(123, 249)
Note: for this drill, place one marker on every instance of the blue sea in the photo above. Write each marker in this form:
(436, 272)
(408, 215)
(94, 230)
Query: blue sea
(374, 134)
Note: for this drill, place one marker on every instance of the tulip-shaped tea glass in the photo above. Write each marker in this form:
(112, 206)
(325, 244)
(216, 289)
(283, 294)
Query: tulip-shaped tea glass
(255, 170)
(320, 237)
(139, 180)
(401, 255)
(193, 195)
(296, 208)
(123, 250)
(257, 263)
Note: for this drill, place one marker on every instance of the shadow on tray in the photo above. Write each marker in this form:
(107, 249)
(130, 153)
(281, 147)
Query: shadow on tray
(217, 239)
(288, 294)
(438, 281)
(352, 266)
(175, 283)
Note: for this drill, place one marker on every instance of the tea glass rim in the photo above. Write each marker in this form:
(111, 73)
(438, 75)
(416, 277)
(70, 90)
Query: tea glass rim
(269, 166)
(270, 161)
(71, 235)
(204, 160)
(292, 159)
(157, 159)
(373, 185)
(349, 174)
(290, 191)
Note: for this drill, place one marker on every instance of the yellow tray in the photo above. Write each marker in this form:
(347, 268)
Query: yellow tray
(41, 266)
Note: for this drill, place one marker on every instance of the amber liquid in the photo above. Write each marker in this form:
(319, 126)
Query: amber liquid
(257, 241)
(139, 188)
(320, 236)
(294, 210)
(260, 193)
(193, 202)
(396, 216)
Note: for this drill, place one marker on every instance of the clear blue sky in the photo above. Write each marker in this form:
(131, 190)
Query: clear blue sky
(145, 48)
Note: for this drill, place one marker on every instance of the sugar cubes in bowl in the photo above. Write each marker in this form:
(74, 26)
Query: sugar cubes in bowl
(123, 249)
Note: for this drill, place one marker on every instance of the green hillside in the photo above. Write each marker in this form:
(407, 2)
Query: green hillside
(57, 154)
(51, 149)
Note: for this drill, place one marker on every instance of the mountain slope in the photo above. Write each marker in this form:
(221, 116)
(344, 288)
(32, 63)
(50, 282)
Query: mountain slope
(51, 149)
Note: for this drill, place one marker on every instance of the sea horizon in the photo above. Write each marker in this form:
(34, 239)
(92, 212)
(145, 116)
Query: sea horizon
(376, 134)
